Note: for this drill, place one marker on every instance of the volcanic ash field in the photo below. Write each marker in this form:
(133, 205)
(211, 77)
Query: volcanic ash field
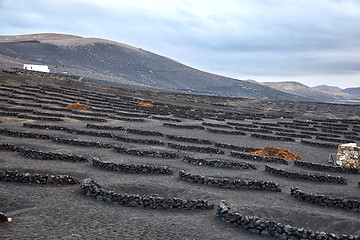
(121, 164)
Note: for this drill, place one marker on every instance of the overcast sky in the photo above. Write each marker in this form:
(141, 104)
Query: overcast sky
(313, 42)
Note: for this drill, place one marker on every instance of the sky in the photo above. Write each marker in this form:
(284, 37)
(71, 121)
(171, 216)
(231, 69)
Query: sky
(312, 42)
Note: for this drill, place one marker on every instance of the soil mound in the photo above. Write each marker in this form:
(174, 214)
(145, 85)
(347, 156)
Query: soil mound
(276, 152)
(77, 106)
(146, 104)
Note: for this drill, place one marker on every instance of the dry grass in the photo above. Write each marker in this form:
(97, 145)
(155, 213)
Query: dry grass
(146, 104)
(77, 106)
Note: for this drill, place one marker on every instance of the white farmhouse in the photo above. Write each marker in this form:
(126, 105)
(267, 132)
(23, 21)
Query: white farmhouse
(39, 68)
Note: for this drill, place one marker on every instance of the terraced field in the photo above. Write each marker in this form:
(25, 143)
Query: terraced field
(119, 170)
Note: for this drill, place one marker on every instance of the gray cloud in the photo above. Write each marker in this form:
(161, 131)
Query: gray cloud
(262, 39)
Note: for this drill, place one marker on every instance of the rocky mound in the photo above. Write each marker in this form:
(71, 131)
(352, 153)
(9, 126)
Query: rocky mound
(276, 152)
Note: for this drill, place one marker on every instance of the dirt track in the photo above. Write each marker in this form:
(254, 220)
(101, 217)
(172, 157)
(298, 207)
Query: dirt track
(45, 211)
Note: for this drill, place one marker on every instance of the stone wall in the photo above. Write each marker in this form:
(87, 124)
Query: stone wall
(92, 189)
(131, 168)
(273, 229)
(146, 153)
(9, 147)
(82, 143)
(327, 201)
(166, 119)
(15, 176)
(268, 137)
(234, 147)
(254, 157)
(7, 132)
(51, 156)
(323, 167)
(253, 130)
(210, 150)
(144, 132)
(49, 119)
(230, 183)
(219, 131)
(219, 163)
(306, 176)
(216, 125)
(91, 133)
(317, 144)
(189, 140)
(195, 127)
(294, 135)
(327, 139)
(89, 125)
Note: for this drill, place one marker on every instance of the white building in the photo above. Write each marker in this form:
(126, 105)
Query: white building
(39, 68)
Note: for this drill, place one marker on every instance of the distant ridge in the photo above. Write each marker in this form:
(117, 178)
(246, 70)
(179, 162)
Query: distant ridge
(301, 90)
(334, 88)
(116, 64)
(352, 91)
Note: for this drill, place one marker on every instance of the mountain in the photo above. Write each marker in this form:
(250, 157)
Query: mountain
(303, 90)
(337, 90)
(117, 64)
(333, 88)
(352, 91)
(321, 93)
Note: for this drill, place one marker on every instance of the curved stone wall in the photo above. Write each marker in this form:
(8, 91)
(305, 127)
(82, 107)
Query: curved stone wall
(210, 150)
(253, 130)
(9, 147)
(189, 140)
(243, 124)
(323, 167)
(327, 139)
(273, 229)
(92, 189)
(233, 147)
(146, 153)
(194, 127)
(326, 201)
(44, 126)
(278, 129)
(166, 119)
(89, 125)
(294, 135)
(144, 132)
(94, 133)
(254, 157)
(268, 137)
(225, 131)
(139, 140)
(305, 176)
(218, 163)
(51, 156)
(320, 134)
(12, 133)
(131, 168)
(49, 119)
(15, 176)
(216, 125)
(48, 114)
(230, 184)
(316, 144)
(82, 143)
(9, 114)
